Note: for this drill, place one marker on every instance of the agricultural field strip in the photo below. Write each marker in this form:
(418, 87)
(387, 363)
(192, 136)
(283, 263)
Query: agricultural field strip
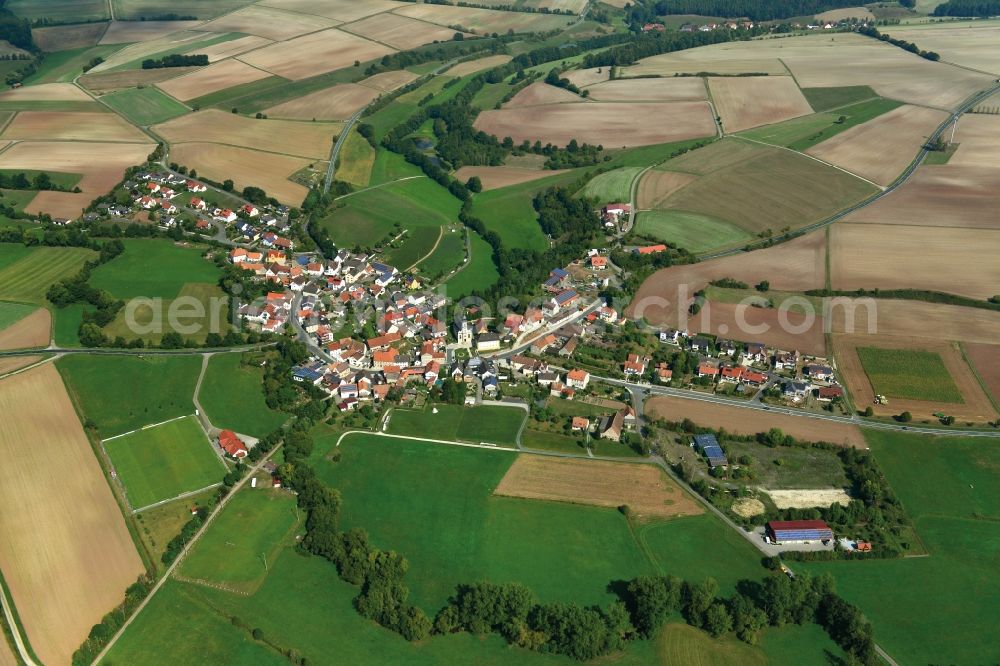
(812, 157)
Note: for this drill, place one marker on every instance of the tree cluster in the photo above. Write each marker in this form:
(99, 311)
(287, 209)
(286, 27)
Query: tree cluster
(15, 30)
(176, 60)
(978, 8)
(873, 32)
(756, 10)
(109, 625)
(41, 181)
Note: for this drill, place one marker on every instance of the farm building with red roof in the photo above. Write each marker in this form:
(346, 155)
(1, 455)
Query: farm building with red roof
(232, 445)
(797, 531)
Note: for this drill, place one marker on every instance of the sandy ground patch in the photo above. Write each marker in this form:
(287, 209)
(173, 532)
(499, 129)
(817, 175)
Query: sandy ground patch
(478, 65)
(587, 77)
(218, 76)
(985, 360)
(336, 103)
(288, 137)
(743, 421)
(102, 166)
(807, 499)
(268, 22)
(541, 93)
(825, 60)
(389, 81)
(231, 48)
(65, 37)
(485, 20)
(315, 54)
(71, 126)
(398, 31)
(748, 507)
(645, 489)
(16, 363)
(494, 177)
(882, 148)
(802, 261)
(835, 15)
(751, 101)
(975, 407)
(126, 32)
(342, 10)
(103, 82)
(31, 331)
(968, 44)
(66, 554)
(939, 196)
(954, 260)
(656, 186)
(600, 123)
(46, 92)
(978, 138)
(679, 89)
(245, 167)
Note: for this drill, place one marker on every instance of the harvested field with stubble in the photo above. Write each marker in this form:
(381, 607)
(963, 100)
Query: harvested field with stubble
(342, 10)
(882, 148)
(314, 54)
(692, 61)
(336, 103)
(267, 22)
(478, 65)
(750, 101)
(231, 48)
(656, 186)
(71, 126)
(975, 405)
(746, 421)
(398, 31)
(597, 123)
(46, 92)
(978, 139)
(31, 331)
(218, 76)
(541, 93)
(126, 32)
(645, 489)
(482, 21)
(286, 137)
(245, 167)
(918, 319)
(14, 363)
(985, 360)
(939, 196)
(972, 45)
(958, 261)
(582, 78)
(389, 81)
(675, 89)
(66, 554)
(66, 37)
(495, 177)
(103, 82)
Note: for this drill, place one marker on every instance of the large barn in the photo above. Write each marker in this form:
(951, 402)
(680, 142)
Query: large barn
(798, 531)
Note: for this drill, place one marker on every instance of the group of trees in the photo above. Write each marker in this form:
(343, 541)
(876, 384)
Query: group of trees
(41, 181)
(15, 30)
(873, 32)
(176, 60)
(755, 10)
(979, 8)
(102, 632)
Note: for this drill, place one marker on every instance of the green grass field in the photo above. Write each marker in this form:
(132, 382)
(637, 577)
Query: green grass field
(159, 463)
(66, 324)
(611, 186)
(249, 533)
(390, 166)
(60, 11)
(58, 178)
(137, 9)
(804, 133)
(405, 106)
(159, 524)
(153, 269)
(434, 504)
(550, 440)
(417, 244)
(356, 160)
(508, 211)
(824, 99)
(234, 96)
(11, 313)
(448, 255)
(694, 232)
(368, 217)
(64, 66)
(145, 106)
(9, 106)
(122, 393)
(483, 423)
(149, 321)
(233, 397)
(479, 273)
(27, 273)
(909, 374)
(800, 467)
(931, 609)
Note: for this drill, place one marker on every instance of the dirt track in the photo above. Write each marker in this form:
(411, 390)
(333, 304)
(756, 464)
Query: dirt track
(645, 489)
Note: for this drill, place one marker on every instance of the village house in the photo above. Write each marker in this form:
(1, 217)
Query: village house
(232, 445)
(578, 379)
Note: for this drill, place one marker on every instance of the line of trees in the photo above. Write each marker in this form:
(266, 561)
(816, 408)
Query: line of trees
(176, 60)
(756, 10)
(979, 8)
(42, 181)
(873, 32)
